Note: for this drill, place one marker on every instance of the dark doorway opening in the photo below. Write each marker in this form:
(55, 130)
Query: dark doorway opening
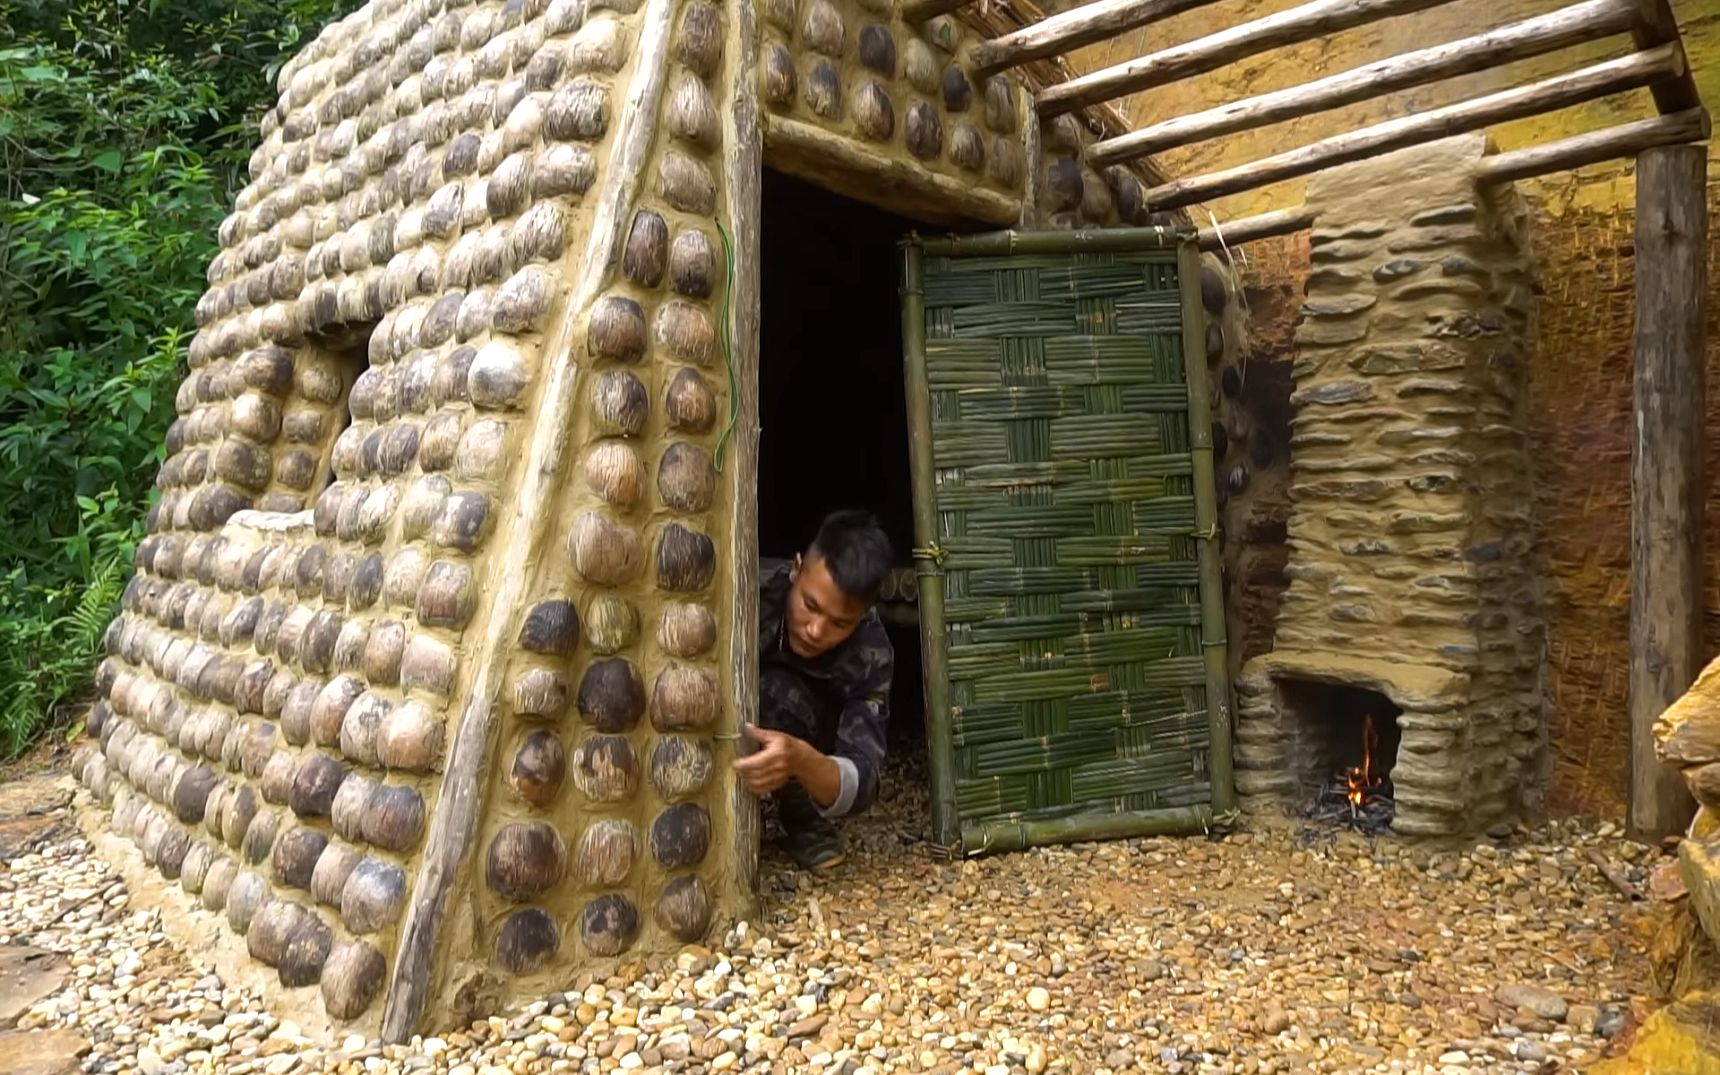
(832, 409)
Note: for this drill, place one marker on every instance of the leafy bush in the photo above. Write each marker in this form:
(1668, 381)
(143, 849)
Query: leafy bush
(125, 128)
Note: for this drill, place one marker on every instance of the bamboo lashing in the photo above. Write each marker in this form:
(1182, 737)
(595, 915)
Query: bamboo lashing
(1311, 20)
(1548, 95)
(1587, 21)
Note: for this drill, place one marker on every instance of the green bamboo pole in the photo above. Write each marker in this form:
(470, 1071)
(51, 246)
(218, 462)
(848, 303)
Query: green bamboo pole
(996, 837)
(1092, 241)
(939, 735)
(1218, 703)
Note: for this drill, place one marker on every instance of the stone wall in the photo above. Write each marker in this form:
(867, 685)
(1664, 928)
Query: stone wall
(283, 683)
(385, 603)
(1411, 548)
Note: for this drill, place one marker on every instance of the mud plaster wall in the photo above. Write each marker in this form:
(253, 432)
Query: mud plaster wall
(1579, 377)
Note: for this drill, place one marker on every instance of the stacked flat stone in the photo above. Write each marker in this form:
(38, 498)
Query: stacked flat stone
(1412, 569)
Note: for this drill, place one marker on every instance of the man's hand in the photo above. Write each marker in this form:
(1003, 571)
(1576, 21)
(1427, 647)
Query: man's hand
(773, 764)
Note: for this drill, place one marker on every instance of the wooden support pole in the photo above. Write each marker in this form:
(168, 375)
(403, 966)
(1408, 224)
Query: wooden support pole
(921, 10)
(1311, 20)
(1587, 21)
(744, 142)
(1666, 470)
(1657, 26)
(1549, 95)
(1072, 29)
(1611, 143)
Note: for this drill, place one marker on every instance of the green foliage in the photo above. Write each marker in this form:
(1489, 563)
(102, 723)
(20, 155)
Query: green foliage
(125, 129)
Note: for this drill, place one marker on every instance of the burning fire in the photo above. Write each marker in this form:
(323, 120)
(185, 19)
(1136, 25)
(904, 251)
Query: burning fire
(1361, 778)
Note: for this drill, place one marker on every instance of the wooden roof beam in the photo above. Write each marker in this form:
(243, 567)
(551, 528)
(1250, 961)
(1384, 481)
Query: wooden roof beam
(1073, 29)
(1611, 143)
(921, 10)
(1548, 95)
(1657, 26)
(1315, 19)
(1586, 21)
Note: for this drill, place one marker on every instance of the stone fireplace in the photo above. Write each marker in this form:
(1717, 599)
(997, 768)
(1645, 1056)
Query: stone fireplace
(1414, 595)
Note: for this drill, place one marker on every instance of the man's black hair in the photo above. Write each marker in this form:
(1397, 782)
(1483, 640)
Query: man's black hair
(855, 550)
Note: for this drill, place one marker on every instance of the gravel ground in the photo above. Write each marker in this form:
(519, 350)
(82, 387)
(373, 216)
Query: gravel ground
(1289, 948)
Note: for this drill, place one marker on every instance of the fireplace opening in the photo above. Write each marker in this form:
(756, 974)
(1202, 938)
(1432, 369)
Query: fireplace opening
(1346, 743)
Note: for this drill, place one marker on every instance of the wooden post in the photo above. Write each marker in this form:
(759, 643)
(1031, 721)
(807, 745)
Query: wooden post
(745, 141)
(1666, 470)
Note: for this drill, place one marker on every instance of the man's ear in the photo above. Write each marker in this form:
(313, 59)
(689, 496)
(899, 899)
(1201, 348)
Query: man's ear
(794, 572)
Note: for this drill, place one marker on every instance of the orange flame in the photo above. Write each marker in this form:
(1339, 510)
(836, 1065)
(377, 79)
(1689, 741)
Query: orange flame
(1361, 777)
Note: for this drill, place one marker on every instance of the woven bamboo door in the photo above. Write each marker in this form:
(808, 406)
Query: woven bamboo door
(1065, 524)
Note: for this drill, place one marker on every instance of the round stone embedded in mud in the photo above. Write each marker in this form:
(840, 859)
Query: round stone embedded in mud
(681, 767)
(605, 769)
(351, 979)
(373, 897)
(681, 835)
(527, 941)
(606, 853)
(551, 627)
(684, 698)
(526, 859)
(605, 551)
(608, 925)
(539, 767)
(684, 909)
(611, 695)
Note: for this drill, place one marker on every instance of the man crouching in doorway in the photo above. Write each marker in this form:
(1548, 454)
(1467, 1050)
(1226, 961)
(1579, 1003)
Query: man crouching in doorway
(825, 666)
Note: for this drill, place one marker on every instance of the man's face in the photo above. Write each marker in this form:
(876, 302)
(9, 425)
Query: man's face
(820, 615)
